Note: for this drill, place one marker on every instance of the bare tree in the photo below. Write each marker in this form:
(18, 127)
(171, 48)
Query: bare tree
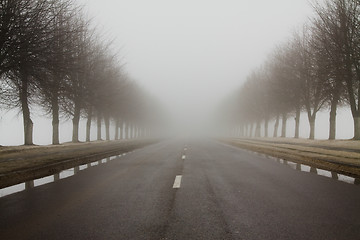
(24, 42)
(313, 75)
(333, 63)
(338, 26)
(58, 63)
(75, 87)
(283, 87)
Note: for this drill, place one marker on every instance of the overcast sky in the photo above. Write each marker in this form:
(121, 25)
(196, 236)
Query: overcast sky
(191, 53)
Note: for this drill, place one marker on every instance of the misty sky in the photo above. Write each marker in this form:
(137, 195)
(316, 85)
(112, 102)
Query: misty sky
(191, 53)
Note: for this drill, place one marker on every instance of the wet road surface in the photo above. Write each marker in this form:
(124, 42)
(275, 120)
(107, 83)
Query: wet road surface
(185, 190)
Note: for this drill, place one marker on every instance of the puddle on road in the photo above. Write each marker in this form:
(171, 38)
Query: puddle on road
(318, 171)
(56, 177)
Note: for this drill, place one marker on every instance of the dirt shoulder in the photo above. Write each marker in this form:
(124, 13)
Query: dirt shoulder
(23, 163)
(342, 156)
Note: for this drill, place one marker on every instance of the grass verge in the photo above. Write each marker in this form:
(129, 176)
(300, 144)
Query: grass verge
(25, 163)
(338, 156)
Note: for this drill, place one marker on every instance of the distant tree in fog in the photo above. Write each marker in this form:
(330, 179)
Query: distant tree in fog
(98, 61)
(284, 95)
(254, 90)
(313, 75)
(98, 82)
(112, 92)
(51, 56)
(319, 67)
(75, 87)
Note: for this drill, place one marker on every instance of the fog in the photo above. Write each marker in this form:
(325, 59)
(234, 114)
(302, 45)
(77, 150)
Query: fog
(191, 54)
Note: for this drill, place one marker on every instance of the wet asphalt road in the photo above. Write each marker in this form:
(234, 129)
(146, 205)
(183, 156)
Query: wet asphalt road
(225, 193)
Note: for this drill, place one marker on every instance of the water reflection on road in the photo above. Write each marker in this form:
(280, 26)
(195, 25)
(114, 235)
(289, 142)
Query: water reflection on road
(56, 177)
(73, 171)
(310, 169)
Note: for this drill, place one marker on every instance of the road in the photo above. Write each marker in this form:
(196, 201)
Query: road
(223, 193)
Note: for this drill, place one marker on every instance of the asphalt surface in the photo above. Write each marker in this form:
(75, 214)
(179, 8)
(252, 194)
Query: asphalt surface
(225, 193)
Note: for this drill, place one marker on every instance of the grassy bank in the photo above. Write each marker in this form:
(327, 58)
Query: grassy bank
(23, 163)
(342, 156)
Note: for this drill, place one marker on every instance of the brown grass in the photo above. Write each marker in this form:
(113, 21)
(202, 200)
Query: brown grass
(345, 158)
(24, 163)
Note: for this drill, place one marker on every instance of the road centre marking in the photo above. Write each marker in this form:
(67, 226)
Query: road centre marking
(177, 181)
(183, 157)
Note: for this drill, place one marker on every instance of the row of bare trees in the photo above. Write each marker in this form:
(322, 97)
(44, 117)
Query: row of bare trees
(319, 68)
(52, 57)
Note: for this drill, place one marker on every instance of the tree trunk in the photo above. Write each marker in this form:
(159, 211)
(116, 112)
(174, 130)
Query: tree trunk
(107, 127)
(141, 132)
(353, 96)
(283, 127)
(357, 127)
(126, 131)
(121, 130)
(312, 127)
(130, 131)
(251, 130)
(257, 129)
(55, 120)
(88, 124)
(117, 129)
(332, 120)
(297, 122)
(99, 126)
(266, 126)
(276, 127)
(76, 120)
(28, 124)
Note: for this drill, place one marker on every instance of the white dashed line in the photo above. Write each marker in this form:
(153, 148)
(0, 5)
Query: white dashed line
(177, 181)
(183, 157)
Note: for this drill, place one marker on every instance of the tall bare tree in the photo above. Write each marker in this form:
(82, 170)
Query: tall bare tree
(338, 22)
(25, 40)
